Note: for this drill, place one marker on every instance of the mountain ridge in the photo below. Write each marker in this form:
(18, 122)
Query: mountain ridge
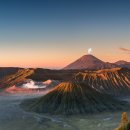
(114, 81)
(124, 64)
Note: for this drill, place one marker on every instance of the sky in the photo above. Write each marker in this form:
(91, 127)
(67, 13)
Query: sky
(53, 33)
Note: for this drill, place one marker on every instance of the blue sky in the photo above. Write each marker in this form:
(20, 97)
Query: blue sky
(35, 32)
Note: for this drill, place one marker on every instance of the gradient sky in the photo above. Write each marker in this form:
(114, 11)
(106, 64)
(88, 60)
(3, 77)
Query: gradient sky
(53, 33)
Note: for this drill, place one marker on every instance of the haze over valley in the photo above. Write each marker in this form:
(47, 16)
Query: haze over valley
(64, 65)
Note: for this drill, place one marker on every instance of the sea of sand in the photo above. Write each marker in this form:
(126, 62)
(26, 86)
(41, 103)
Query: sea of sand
(13, 117)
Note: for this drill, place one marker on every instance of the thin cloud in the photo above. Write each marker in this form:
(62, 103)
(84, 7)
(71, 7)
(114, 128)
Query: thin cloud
(125, 50)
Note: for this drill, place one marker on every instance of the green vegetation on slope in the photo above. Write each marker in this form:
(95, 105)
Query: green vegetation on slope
(125, 123)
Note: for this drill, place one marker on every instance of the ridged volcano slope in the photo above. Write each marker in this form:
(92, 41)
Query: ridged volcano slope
(72, 98)
(17, 78)
(112, 81)
(5, 71)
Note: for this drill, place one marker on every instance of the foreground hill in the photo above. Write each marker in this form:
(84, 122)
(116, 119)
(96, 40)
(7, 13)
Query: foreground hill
(73, 98)
(89, 62)
(111, 81)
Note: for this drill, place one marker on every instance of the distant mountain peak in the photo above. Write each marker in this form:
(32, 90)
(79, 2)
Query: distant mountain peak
(122, 63)
(89, 62)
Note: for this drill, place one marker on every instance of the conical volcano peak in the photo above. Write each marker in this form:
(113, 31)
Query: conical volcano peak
(89, 62)
(90, 57)
(66, 86)
(73, 98)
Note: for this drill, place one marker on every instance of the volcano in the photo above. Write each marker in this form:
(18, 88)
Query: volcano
(115, 81)
(73, 98)
(89, 62)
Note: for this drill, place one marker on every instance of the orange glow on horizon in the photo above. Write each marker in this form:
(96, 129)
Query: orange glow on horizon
(57, 58)
(59, 62)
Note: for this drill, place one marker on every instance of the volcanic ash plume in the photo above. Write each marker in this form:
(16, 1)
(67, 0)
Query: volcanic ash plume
(89, 50)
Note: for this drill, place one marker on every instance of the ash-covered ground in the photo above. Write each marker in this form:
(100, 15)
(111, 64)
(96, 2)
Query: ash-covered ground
(12, 117)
